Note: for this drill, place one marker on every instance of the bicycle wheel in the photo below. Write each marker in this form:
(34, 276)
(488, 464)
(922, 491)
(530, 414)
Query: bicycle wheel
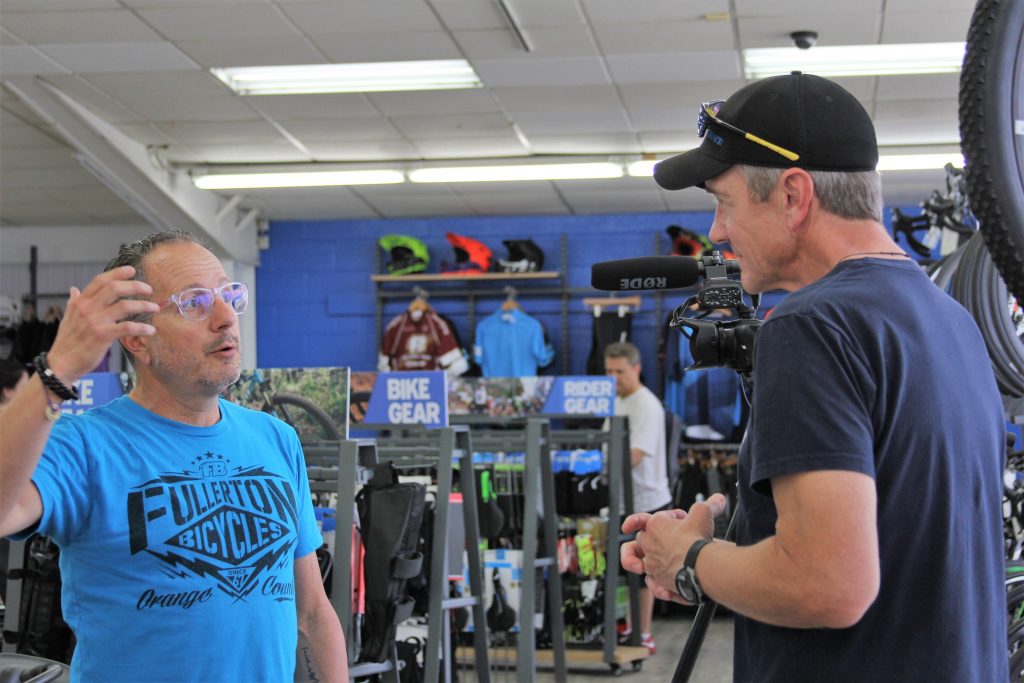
(310, 420)
(991, 112)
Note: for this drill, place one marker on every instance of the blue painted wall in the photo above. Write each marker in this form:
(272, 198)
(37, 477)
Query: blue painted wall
(316, 304)
(315, 301)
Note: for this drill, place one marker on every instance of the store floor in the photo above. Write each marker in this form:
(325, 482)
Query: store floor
(714, 665)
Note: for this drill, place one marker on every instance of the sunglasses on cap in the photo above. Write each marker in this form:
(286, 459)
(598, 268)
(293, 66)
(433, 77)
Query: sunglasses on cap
(709, 112)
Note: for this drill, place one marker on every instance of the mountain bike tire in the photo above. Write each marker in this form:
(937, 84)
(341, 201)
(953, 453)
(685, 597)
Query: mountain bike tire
(992, 132)
(307, 418)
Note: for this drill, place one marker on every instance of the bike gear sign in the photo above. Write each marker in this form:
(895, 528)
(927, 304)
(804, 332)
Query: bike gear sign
(233, 524)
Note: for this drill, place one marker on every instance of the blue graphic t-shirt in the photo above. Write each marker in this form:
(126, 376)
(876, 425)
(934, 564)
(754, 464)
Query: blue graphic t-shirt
(177, 542)
(511, 344)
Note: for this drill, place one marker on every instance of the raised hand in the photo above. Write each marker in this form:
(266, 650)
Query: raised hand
(96, 316)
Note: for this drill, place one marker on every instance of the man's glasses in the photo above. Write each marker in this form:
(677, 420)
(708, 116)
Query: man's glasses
(709, 112)
(197, 303)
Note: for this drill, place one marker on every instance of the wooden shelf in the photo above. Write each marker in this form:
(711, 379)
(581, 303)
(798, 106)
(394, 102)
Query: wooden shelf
(573, 656)
(455, 277)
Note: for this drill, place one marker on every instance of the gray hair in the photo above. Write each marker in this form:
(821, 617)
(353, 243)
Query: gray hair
(132, 254)
(623, 350)
(854, 195)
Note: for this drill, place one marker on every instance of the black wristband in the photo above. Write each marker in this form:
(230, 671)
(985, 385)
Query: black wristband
(50, 381)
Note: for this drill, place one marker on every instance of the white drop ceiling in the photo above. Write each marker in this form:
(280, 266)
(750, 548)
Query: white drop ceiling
(603, 77)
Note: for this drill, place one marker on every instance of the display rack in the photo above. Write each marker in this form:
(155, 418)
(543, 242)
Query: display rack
(535, 442)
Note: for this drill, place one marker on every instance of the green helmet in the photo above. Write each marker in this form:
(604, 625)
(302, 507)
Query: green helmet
(408, 254)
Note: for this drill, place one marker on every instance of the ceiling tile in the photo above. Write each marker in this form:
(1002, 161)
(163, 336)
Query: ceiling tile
(563, 41)
(682, 98)
(379, 16)
(453, 125)
(198, 133)
(210, 23)
(147, 134)
(531, 14)
(52, 177)
(539, 199)
(660, 142)
(667, 37)
(434, 102)
(911, 132)
(524, 72)
(795, 9)
(285, 107)
(120, 57)
(923, 86)
(267, 51)
(386, 46)
(36, 157)
(921, 110)
(179, 96)
(604, 143)
(929, 26)
(622, 200)
(925, 5)
(407, 206)
(342, 130)
(833, 29)
(25, 60)
(17, 135)
(618, 12)
(461, 15)
(670, 68)
(97, 101)
(95, 26)
(608, 120)
(225, 154)
(359, 150)
(507, 145)
(55, 5)
(541, 99)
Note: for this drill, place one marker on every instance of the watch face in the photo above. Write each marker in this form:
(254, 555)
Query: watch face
(685, 587)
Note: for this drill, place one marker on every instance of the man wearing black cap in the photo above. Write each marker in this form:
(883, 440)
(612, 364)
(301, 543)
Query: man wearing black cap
(869, 529)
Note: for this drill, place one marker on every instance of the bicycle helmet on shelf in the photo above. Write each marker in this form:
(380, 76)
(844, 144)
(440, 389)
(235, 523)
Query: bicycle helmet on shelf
(408, 254)
(471, 256)
(686, 242)
(524, 256)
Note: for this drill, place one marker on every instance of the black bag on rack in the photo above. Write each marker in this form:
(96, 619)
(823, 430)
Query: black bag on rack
(391, 514)
(41, 630)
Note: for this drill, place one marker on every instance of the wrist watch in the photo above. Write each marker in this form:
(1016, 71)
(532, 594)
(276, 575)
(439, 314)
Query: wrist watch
(687, 584)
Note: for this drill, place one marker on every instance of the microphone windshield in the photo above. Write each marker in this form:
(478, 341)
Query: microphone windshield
(647, 272)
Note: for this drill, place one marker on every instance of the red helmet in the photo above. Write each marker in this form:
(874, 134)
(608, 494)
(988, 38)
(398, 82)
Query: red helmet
(471, 256)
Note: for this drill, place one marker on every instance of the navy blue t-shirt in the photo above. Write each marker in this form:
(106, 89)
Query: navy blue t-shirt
(873, 369)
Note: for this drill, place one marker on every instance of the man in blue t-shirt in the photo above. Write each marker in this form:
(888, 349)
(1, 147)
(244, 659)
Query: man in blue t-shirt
(869, 528)
(185, 522)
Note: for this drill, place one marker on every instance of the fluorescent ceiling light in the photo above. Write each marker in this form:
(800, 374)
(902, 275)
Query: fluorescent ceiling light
(472, 174)
(240, 181)
(919, 162)
(641, 169)
(855, 60)
(439, 74)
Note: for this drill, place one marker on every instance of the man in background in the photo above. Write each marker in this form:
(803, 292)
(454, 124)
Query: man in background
(646, 452)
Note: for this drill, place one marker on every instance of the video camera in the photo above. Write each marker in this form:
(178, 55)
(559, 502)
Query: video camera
(713, 343)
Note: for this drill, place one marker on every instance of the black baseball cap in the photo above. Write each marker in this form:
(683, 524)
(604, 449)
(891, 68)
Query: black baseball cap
(810, 116)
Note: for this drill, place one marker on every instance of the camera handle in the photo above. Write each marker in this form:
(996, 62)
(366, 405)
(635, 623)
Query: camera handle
(701, 622)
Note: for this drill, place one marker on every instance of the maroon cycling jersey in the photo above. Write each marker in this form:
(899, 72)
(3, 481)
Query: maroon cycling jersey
(424, 344)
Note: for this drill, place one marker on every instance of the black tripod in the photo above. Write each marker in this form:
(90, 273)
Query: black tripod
(705, 613)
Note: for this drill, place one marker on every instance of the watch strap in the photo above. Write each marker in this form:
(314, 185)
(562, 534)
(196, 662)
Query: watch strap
(691, 555)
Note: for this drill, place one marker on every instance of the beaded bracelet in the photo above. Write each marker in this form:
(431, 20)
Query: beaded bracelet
(50, 381)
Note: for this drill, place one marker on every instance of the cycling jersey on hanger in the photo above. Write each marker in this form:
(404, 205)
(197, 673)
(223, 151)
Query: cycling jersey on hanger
(420, 340)
(510, 343)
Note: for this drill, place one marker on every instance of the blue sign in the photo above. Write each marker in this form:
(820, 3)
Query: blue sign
(419, 398)
(583, 395)
(94, 390)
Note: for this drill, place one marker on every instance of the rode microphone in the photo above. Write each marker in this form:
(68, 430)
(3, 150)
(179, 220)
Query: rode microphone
(651, 272)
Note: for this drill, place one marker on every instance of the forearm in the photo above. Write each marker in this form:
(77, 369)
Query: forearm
(767, 583)
(24, 430)
(322, 646)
